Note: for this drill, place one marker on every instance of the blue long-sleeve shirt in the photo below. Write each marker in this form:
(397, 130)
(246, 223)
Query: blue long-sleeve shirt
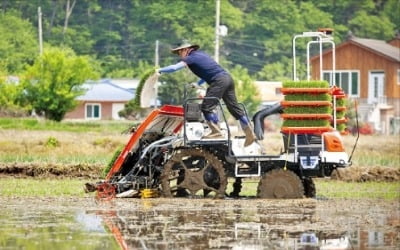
(201, 64)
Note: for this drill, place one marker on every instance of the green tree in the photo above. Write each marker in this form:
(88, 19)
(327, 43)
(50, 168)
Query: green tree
(18, 43)
(392, 10)
(54, 81)
(10, 92)
(121, 34)
(245, 89)
(366, 25)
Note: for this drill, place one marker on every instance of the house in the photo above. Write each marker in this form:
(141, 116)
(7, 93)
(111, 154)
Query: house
(270, 92)
(103, 99)
(368, 70)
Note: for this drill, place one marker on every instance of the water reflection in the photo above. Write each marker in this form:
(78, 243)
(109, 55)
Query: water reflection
(199, 224)
(29, 227)
(195, 224)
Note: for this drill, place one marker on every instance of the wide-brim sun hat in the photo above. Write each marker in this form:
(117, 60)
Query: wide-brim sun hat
(183, 45)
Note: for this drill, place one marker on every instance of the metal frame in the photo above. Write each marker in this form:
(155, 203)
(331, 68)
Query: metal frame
(321, 38)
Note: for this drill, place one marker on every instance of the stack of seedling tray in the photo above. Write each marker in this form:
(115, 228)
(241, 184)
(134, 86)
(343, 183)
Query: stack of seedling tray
(339, 102)
(307, 107)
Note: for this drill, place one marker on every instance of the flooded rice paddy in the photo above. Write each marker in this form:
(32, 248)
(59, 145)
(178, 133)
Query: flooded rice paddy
(84, 223)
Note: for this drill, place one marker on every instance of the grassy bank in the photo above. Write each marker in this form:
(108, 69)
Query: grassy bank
(28, 187)
(33, 124)
(94, 142)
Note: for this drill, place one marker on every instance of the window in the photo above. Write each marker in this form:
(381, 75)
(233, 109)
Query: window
(92, 111)
(347, 80)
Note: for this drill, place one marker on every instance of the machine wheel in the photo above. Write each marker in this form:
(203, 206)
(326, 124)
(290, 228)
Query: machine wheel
(309, 187)
(280, 184)
(190, 170)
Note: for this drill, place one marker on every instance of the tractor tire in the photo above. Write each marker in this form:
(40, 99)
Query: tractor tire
(280, 184)
(189, 171)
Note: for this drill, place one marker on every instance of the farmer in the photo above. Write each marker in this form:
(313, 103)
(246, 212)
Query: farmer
(220, 85)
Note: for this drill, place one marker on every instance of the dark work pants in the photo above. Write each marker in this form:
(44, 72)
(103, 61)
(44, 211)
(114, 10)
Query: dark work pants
(222, 87)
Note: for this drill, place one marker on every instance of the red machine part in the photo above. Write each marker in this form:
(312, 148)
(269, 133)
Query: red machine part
(105, 191)
(333, 143)
(167, 110)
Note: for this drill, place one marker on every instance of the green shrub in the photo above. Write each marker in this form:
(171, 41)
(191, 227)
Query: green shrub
(52, 142)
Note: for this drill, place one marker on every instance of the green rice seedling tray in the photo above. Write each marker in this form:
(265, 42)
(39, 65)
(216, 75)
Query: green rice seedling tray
(308, 110)
(305, 90)
(308, 97)
(305, 84)
(305, 103)
(306, 116)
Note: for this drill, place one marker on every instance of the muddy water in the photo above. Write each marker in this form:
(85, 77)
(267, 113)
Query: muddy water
(84, 223)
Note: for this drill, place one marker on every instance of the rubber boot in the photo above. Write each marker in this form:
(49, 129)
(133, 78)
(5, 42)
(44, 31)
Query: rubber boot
(250, 136)
(215, 131)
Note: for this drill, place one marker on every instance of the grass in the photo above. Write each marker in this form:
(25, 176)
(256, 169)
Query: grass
(29, 140)
(374, 150)
(27, 187)
(66, 126)
(338, 189)
(358, 190)
(59, 146)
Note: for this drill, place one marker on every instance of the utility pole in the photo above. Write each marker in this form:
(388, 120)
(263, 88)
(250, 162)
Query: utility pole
(156, 58)
(40, 31)
(217, 10)
(156, 64)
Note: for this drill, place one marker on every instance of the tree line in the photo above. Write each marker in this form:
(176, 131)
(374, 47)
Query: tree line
(117, 38)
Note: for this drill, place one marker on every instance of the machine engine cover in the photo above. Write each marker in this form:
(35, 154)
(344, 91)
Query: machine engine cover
(194, 130)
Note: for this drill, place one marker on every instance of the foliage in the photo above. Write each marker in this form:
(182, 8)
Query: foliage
(18, 43)
(365, 25)
(259, 32)
(122, 34)
(52, 142)
(10, 93)
(54, 81)
(279, 71)
(246, 92)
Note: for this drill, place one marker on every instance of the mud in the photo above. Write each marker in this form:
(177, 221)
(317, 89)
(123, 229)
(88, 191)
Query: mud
(50, 170)
(362, 174)
(94, 171)
(84, 223)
